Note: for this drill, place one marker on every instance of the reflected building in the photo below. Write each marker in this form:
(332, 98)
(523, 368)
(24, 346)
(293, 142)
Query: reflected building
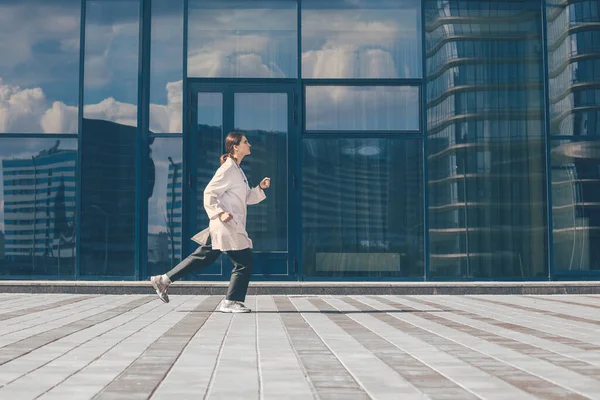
(39, 213)
(174, 211)
(573, 72)
(108, 199)
(484, 88)
(364, 216)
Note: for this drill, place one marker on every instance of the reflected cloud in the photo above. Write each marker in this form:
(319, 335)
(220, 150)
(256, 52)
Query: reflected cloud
(360, 43)
(234, 55)
(29, 111)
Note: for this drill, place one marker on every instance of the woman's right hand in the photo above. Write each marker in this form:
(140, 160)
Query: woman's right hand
(225, 217)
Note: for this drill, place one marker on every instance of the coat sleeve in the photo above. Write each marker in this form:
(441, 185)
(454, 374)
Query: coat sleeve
(255, 195)
(213, 192)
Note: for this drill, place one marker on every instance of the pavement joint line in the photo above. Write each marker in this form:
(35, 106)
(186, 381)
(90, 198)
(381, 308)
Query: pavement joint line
(99, 336)
(519, 329)
(568, 326)
(436, 346)
(416, 380)
(516, 317)
(434, 328)
(311, 385)
(257, 349)
(139, 343)
(47, 307)
(36, 317)
(207, 306)
(115, 344)
(213, 374)
(360, 384)
(533, 309)
(578, 366)
(597, 306)
(90, 321)
(69, 313)
(17, 303)
(298, 340)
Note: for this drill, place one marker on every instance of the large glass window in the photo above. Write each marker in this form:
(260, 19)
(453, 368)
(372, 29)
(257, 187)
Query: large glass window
(242, 39)
(362, 208)
(39, 66)
(487, 184)
(361, 39)
(362, 108)
(576, 205)
(573, 67)
(37, 207)
(109, 138)
(166, 67)
(165, 206)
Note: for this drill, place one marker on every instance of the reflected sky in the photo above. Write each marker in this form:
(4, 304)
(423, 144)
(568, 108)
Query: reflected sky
(242, 39)
(39, 77)
(39, 44)
(360, 39)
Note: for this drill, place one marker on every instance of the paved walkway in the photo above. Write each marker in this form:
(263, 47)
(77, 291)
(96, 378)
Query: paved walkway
(59, 346)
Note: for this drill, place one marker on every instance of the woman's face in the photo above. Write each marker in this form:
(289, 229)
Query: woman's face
(243, 149)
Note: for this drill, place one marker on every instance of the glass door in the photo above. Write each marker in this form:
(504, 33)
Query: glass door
(265, 114)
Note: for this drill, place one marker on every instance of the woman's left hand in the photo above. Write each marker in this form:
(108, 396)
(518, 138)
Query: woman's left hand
(265, 183)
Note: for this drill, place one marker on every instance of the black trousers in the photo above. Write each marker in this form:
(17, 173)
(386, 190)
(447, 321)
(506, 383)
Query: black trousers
(204, 256)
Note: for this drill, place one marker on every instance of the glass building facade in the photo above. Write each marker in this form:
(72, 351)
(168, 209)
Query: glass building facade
(405, 139)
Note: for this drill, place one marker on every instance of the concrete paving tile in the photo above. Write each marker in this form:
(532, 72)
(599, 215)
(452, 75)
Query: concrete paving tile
(498, 347)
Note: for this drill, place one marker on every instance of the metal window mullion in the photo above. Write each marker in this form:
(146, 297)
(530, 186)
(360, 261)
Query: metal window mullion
(425, 147)
(142, 153)
(78, 177)
(545, 76)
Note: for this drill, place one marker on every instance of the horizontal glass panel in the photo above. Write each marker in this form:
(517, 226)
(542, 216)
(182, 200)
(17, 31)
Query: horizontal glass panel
(166, 67)
(576, 205)
(362, 208)
(111, 61)
(165, 204)
(242, 39)
(39, 66)
(367, 39)
(362, 108)
(37, 207)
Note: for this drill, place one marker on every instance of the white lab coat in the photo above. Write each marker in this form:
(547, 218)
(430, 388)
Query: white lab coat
(228, 191)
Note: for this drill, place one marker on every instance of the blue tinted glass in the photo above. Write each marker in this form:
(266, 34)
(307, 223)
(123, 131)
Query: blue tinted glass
(165, 204)
(109, 138)
(263, 118)
(39, 66)
(361, 39)
(573, 68)
(108, 212)
(250, 39)
(362, 108)
(362, 207)
(487, 203)
(166, 66)
(576, 205)
(111, 61)
(37, 207)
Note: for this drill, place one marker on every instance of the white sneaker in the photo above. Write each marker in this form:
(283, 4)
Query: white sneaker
(230, 306)
(161, 284)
